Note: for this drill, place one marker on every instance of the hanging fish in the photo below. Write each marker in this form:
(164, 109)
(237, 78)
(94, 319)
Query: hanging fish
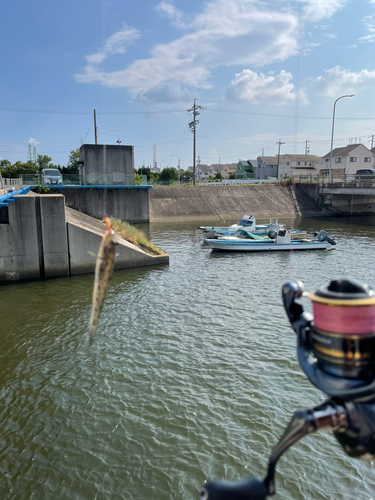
(104, 265)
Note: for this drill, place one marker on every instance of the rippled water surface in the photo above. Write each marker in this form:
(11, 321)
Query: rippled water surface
(193, 375)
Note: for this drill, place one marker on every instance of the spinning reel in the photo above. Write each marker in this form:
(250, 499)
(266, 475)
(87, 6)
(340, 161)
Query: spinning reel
(336, 350)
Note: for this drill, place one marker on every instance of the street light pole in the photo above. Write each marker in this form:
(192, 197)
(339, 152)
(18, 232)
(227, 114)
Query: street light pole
(333, 128)
(178, 167)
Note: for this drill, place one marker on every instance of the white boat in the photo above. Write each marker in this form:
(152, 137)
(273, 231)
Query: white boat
(280, 240)
(248, 223)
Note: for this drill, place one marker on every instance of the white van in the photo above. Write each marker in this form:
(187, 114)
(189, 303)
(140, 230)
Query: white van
(51, 176)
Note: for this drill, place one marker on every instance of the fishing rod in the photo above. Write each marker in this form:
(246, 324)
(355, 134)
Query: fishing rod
(336, 351)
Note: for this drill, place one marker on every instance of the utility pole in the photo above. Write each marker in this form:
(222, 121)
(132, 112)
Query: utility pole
(278, 157)
(195, 111)
(95, 129)
(307, 148)
(372, 137)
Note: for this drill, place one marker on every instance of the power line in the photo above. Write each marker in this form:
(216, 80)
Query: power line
(56, 112)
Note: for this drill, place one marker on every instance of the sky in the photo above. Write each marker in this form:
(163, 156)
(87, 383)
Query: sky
(262, 71)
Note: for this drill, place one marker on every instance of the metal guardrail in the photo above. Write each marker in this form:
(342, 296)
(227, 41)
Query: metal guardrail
(82, 180)
(342, 180)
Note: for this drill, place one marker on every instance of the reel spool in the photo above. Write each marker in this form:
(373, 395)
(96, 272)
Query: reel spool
(343, 332)
(336, 347)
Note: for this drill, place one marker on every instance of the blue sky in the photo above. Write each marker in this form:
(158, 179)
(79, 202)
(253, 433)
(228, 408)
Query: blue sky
(263, 70)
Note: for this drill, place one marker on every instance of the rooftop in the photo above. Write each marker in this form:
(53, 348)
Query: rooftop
(343, 151)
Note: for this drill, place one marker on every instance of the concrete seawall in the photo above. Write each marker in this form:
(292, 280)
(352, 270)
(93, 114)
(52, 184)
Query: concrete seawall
(126, 203)
(183, 203)
(44, 239)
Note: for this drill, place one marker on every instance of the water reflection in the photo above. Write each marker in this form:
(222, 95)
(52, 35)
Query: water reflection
(193, 375)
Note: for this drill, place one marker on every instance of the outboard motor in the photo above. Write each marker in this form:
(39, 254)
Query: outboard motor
(323, 236)
(336, 351)
(272, 234)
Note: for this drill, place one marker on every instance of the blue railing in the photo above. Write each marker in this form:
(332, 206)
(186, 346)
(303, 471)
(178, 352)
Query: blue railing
(5, 199)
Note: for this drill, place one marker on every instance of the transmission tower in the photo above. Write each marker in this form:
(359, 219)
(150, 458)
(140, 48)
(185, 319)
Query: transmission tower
(154, 158)
(29, 155)
(194, 111)
(34, 154)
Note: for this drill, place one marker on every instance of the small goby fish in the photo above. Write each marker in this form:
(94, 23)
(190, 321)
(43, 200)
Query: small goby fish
(104, 265)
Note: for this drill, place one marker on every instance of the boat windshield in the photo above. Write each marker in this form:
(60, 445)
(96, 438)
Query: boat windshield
(246, 220)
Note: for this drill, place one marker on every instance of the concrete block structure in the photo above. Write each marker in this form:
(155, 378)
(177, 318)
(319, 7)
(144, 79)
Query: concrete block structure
(54, 237)
(41, 238)
(20, 242)
(106, 164)
(126, 203)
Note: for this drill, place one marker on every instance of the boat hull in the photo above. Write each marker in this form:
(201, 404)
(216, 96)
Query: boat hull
(209, 233)
(254, 246)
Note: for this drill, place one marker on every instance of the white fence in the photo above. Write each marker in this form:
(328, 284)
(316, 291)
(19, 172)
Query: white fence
(229, 182)
(10, 183)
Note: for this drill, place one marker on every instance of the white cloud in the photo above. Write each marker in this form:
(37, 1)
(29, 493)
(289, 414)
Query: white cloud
(261, 89)
(315, 10)
(166, 92)
(174, 14)
(336, 80)
(33, 141)
(369, 22)
(115, 44)
(226, 33)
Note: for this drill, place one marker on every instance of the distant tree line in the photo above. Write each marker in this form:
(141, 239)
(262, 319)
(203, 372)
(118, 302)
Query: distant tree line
(167, 174)
(13, 170)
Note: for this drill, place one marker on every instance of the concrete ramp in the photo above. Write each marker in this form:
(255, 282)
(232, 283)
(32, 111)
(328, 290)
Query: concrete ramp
(198, 203)
(84, 237)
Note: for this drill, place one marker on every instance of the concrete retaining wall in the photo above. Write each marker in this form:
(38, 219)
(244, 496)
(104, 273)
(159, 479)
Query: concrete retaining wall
(129, 204)
(43, 239)
(171, 203)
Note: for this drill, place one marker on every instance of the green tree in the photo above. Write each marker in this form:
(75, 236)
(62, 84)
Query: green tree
(218, 177)
(232, 176)
(44, 161)
(72, 166)
(167, 174)
(15, 170)
(5, 163)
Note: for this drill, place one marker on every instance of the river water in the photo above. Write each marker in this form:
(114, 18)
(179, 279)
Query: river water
(193, 376)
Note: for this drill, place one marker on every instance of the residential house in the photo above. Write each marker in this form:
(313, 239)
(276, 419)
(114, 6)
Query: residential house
(372, 150)
(348, 159)
(204, 171)
(266, 166)
(246, 169)
(224, 169)
(294, 164)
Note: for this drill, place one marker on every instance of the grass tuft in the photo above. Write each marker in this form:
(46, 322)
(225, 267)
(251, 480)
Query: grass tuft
(134, 235)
